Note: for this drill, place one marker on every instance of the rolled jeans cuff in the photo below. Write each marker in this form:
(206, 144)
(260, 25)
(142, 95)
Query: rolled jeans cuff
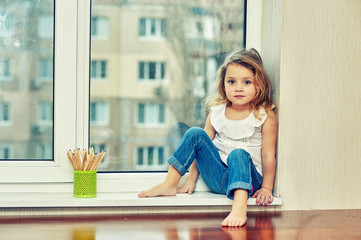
(238, 185)
(177, 165)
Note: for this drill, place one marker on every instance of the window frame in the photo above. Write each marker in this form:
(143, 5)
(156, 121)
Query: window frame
(71, 121)
(65, 76)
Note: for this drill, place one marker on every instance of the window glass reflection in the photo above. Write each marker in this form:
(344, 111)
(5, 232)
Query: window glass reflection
(26, 79)
(152, 64)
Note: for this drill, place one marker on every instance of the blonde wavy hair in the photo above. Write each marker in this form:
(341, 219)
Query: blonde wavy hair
(252, 60)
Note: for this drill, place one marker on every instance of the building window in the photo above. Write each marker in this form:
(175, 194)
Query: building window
(46, 113)
(150, 156)
(151, 71)
(45, 26)
(99, 69)
(46, 69)
(5, 114)
(98, 147)
(5, 151)
(151, 113)
(99, 27)
(152, 27)
(5, 69)
(6, 24)
(44, 151)
(99, 113)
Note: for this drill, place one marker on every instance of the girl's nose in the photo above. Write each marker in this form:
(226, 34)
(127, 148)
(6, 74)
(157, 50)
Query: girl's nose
(239, 87)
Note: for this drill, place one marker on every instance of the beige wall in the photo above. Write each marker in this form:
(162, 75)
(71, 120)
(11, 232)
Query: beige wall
(319, 145)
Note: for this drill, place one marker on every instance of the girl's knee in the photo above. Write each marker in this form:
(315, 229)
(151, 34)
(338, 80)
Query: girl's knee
(238, 155)
(194, 131)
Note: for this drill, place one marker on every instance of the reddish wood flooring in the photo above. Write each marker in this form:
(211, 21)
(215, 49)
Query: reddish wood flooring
(308, 225)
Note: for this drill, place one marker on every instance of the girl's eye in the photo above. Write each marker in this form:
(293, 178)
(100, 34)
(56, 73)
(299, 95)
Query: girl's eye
(231, 81)
(247, 82)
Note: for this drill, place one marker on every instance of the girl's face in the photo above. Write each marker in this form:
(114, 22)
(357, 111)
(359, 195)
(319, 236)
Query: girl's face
(239, 85)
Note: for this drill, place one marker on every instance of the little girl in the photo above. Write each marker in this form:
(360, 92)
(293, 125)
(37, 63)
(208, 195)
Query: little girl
(235, 153)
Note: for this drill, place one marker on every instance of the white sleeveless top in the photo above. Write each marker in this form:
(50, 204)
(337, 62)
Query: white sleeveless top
(233, 134)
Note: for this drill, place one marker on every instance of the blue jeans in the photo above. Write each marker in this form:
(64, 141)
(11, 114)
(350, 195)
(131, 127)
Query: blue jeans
(239, 173)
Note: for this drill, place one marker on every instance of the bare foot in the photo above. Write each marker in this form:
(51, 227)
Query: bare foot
(236, 218)
(162, 189)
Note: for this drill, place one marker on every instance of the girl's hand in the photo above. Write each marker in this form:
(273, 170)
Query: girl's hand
(188, 187)
(263, 196)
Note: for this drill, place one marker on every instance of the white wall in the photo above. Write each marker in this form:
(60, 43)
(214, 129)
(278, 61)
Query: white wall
(319, 96)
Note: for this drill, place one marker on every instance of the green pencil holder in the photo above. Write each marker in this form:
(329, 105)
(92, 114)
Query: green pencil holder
(85, 184)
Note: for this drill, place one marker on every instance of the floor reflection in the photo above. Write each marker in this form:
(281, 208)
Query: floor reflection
(185, 228)
(301, 225)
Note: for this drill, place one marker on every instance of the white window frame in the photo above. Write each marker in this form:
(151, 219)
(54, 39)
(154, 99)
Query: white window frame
(65, 129)
(72, 120)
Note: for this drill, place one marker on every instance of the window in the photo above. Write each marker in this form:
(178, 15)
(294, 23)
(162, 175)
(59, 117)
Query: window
(99, 69)
(40, 121)
(44, 151)
(150, 113)
(98, 147)
(152, 28)
(151, 157)
(5, 70)
(45, 113)
(5, 151)
(6, 23)
(99, 27)
(46, 69)
(165, 56)
(56, 50)
(5, 114)
(99, 113)
(151, 71)
(46, 26)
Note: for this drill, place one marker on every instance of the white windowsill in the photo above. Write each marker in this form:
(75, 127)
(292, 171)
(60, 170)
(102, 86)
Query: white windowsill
(129, 199)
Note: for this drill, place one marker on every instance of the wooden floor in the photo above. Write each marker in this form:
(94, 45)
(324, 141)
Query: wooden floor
(308, 225)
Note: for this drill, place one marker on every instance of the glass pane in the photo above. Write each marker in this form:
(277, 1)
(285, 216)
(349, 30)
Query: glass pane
(26, 79)
(160, 59)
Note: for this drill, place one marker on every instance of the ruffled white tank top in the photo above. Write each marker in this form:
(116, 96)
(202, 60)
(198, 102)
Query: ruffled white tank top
(233, 134)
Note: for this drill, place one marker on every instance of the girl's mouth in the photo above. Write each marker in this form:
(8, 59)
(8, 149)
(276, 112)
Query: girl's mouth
(239, 96)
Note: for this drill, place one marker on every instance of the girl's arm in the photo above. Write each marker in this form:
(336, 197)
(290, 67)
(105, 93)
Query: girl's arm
(190, 185)
(269, 138)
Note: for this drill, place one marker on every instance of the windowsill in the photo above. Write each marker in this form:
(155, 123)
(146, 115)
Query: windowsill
(129, 199)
